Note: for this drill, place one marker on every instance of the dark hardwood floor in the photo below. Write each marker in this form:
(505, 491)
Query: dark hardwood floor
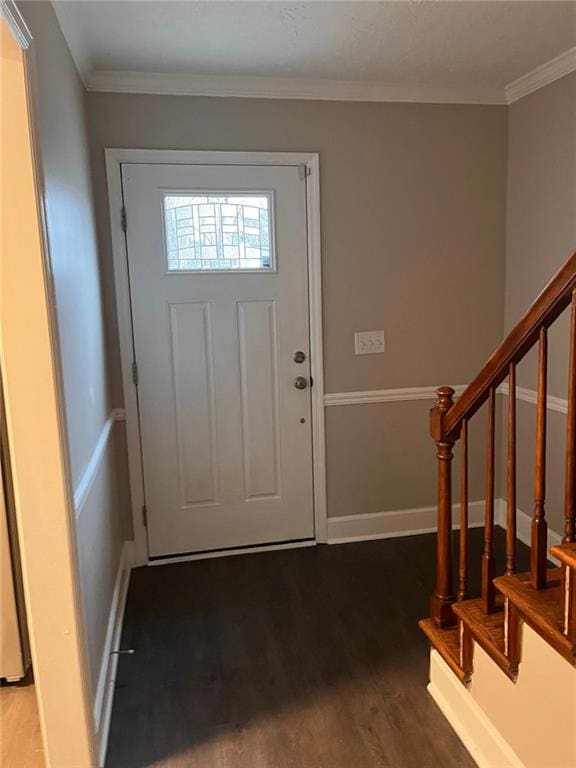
(303, 658)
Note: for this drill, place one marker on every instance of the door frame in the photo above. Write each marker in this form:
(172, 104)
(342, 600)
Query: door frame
(310, 162)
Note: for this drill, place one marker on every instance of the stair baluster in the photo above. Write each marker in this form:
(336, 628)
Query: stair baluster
(538, 554)
(511, 468)
(463, 543)
(488, 591)
(570, 492)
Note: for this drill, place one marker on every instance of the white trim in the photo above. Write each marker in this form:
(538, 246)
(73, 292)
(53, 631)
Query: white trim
(283, 88)
(126, 355)
(316, 348)
(82, 490)
(396, 523)
(233, 552)
(12, 16)
(386, 395)
(106, 679)
(553, 403)
(411, 522)
(543, 75)
(235, 86)
(114, 158)
(475, 730)
(206, 157)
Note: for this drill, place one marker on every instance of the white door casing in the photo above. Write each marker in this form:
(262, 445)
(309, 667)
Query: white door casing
(226, 437)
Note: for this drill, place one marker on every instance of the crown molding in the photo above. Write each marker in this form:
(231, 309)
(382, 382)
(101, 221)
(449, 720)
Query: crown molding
(282, 88)
(224, 86)
(543, 75)
(11, 14)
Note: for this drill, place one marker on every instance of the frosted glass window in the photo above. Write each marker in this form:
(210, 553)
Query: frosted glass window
(218, 232)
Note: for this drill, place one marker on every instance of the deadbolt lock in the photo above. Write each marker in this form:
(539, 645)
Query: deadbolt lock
(299, 357)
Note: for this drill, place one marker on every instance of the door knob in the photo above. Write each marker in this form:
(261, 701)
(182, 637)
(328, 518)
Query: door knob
(299, 357)
(300, 382)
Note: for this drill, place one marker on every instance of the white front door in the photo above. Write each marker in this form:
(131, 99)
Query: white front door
(218, 271)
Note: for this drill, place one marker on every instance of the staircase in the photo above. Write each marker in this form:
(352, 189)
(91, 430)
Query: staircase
(544, 598)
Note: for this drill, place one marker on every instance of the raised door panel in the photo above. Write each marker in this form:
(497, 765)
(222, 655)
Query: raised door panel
(258, 352)
(193, 376)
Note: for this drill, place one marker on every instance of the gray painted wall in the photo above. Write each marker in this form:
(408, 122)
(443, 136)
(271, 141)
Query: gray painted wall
(541, 225)
(413, 239)
(65, 165)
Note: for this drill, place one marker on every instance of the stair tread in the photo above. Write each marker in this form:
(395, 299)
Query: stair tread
(566, 553)
(447, 643)
(540, 608)
(488, 630)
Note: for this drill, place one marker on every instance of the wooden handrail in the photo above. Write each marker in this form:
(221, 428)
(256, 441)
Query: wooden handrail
(449, 422)
(548, 306)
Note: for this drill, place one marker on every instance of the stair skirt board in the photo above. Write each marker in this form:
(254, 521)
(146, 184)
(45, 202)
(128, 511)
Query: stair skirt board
(484, 742)
(411, 522)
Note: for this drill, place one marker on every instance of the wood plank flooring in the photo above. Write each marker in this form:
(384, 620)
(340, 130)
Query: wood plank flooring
(20, 737)
(305, 658)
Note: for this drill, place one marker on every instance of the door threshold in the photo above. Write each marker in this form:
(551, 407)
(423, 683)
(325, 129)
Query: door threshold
(245, 550)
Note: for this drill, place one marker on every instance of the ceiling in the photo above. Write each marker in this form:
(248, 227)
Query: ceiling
(462, 47)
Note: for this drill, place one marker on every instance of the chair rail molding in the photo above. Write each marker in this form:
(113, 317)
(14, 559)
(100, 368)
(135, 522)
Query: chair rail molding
(558, 404)
(84, 486)
(553, 403)
(385, 395)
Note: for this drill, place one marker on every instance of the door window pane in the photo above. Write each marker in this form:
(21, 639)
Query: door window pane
(218, 232)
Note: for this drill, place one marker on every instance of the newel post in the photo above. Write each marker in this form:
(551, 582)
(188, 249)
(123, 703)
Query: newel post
(443, 596)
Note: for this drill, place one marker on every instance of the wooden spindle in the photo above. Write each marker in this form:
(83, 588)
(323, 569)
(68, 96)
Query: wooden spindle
(511, 480)
(570, 490)
(488, 589)
(443, 596)
(538, 554)
(463, 548)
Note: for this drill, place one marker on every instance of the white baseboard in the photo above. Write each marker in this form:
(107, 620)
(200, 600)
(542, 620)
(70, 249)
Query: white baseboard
(524, 527)
(484, 743)
(107, 677)
(387, 525)
(410, 522)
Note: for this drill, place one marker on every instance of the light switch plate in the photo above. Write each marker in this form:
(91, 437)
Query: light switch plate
(369, 342)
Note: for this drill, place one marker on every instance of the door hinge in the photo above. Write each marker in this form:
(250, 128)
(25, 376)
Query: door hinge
(303, 171)
(123, 218)
(145, 515)
(135, 373)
